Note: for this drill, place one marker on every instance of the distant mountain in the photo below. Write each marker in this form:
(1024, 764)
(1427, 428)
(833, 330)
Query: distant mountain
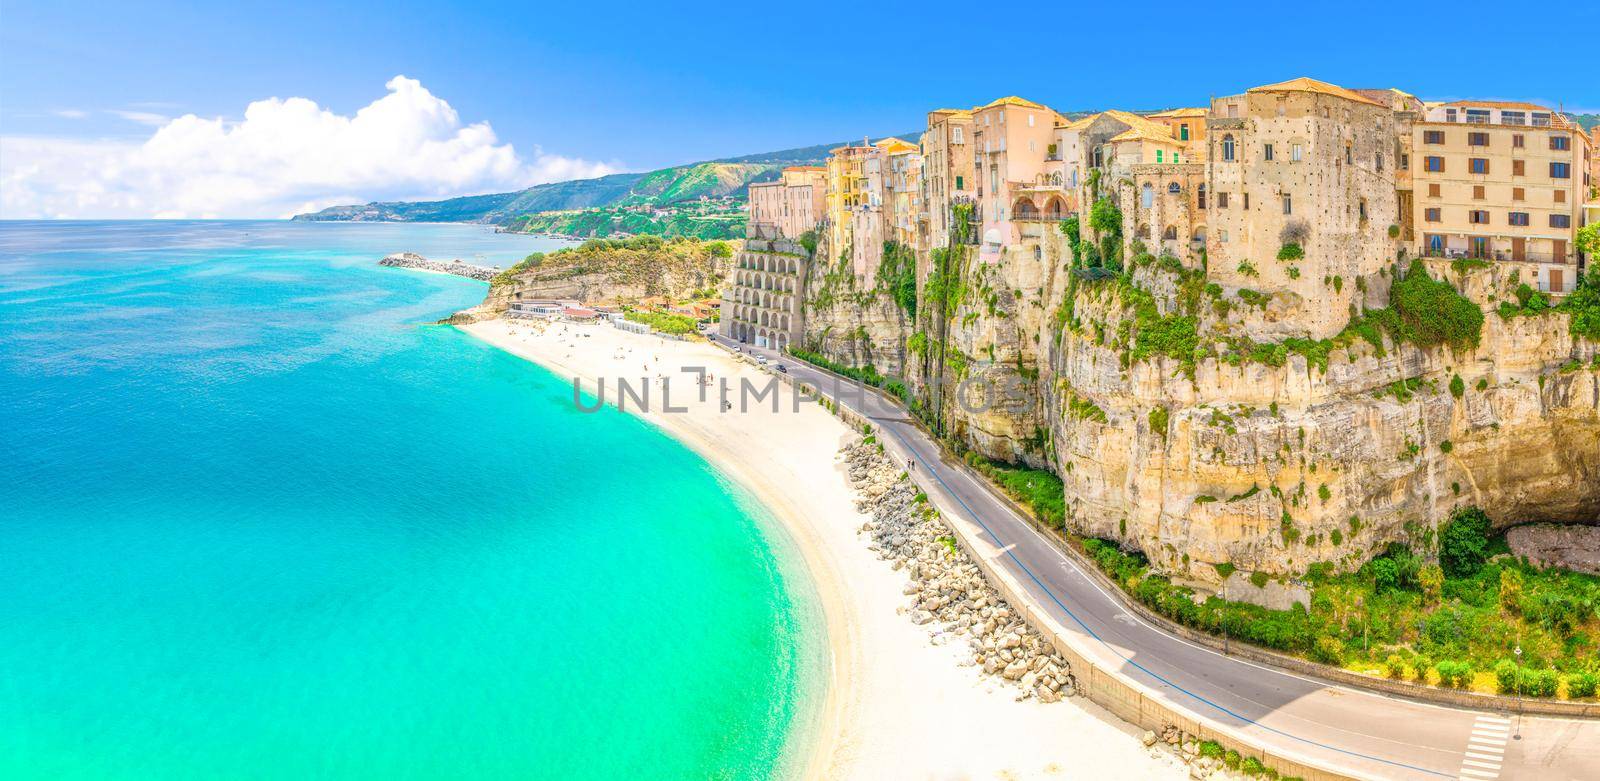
(713, 178)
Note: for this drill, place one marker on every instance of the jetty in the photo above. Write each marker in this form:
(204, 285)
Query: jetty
(455, 266)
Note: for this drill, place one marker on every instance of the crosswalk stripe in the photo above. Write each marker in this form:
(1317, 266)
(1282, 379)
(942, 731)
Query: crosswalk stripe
(1484, 755)
(1489, 733)
(1477, 746)
(1467, 771)
(1495, 719)
(1481, 763)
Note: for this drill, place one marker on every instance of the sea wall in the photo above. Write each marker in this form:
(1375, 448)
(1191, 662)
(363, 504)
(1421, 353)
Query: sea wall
(414, 261)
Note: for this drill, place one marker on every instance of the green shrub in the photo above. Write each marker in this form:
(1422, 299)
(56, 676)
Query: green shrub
(1582, 685)
(1224, 569)
(1259, 579)
(1211, 749)
(1463, 543)
(1328, 650)
(1458, 388)
(1432, 312)
(1251, 766)
(1454, 673)
(1291, 251)
(1584, 304)
(1395, 666)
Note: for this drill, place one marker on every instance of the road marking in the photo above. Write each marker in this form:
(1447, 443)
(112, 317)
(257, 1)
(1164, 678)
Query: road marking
(1486, 748)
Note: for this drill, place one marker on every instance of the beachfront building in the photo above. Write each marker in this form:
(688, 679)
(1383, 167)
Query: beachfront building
(1500, 181)
(1300, 199)
(762, 303)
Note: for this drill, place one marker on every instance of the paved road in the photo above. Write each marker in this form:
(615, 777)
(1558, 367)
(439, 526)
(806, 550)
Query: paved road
(1361, 732)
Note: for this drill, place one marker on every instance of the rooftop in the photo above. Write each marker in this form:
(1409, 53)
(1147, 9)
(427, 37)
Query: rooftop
(1304, 84)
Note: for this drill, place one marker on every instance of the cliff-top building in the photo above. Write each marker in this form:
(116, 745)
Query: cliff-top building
(1500, 181)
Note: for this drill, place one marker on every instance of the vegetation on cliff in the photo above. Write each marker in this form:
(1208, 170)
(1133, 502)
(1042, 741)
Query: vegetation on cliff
(647, 265)
(1455, 623)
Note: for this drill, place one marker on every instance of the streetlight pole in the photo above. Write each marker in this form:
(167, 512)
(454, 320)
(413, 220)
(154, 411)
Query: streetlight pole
(1518, 653)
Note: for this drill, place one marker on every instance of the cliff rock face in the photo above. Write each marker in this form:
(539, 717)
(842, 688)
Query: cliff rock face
(1275, 467)
(1268, 459)
(852, 319)
(604, 271)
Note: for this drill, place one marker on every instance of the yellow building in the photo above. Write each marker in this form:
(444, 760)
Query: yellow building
(1501, 181)
(946, 170)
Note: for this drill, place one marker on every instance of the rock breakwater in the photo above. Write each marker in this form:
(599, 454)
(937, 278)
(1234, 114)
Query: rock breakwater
(412, 260)
(947, 592)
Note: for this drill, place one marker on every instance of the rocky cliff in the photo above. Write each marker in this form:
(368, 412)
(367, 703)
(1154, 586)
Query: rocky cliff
(1176, 433)
(610, 271)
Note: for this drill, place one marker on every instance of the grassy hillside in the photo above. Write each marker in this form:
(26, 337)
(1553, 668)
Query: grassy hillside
(720, 219)
(713, 179)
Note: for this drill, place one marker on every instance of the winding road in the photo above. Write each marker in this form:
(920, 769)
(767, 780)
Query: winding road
(1358, 732)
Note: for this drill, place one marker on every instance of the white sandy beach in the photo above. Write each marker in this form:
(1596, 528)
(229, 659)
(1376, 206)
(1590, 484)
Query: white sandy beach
(898, 706)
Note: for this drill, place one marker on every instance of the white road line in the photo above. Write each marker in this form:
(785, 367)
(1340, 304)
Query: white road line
(1485, 749)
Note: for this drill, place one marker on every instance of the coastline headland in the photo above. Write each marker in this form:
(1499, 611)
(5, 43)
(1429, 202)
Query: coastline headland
(456, 267)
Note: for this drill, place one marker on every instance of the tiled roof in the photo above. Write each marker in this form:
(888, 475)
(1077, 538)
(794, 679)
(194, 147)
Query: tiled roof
(1304, 84)
(894, 145)
(1514, 105)
(1179, 113)
(1011, 100)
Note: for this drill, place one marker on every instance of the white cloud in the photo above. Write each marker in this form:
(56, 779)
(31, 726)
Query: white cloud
(285, 156)
(70, 113)
(142, 117)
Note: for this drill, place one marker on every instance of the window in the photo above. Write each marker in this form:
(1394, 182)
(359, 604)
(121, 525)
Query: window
(1363, 210)
(955, 135)
(1173, 188)
(1222, 235)
(1477, 139)
(1518, 141)
(1227, 148)
(1174, 157)
(1377, 161)
(1560, 170)
(1433, 190)
(1183, 132)
(1405, 162)
(1478, 217)
(1560, 221)
(1430, 215)
(1295, 152)
(1222, 200)
(1158, 155)
(1561, 196)
(1200, 196)
(1541, 119)
(1433, 136)
(1477, 192)
(1146, 195)
(1518, 167)
(1480, 165)
(1288, 205)
(1348, 159)
(1247, 200)
(1518, 218)
(1513, 118)
(1030, 120)
(1477, 116)
(1433, 163)
(1517, 193)
(960, 185)
(1266, 152)
(1560, 143)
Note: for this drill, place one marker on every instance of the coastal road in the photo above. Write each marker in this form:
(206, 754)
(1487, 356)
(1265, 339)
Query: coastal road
(1356, 731)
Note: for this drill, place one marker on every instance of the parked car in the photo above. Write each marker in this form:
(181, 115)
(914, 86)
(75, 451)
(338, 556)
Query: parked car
(761, 359)
(780, 367)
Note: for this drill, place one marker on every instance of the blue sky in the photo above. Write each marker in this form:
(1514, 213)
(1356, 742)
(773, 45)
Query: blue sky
(638, 86)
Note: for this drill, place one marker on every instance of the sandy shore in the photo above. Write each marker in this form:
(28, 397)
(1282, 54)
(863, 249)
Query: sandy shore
(898, 706)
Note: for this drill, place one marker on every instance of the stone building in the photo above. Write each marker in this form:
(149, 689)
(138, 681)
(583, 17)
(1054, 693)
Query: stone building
(947, 172)
(1303, 171)
(1500, 181)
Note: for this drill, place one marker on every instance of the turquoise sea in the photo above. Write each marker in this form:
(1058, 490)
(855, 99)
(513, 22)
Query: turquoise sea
(257, 520)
